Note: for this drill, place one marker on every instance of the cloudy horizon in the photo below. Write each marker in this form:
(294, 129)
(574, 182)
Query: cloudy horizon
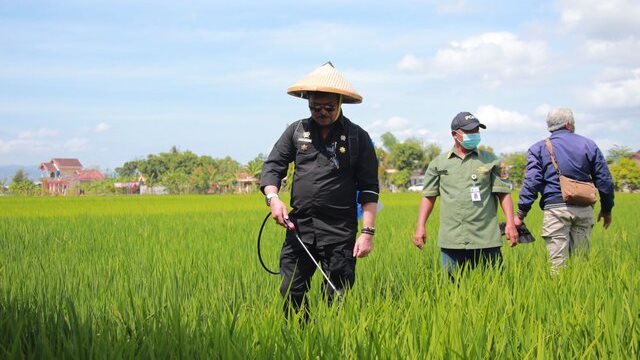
(116, 81)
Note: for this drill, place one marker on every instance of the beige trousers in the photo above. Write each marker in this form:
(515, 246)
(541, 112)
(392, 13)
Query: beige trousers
(566, 230)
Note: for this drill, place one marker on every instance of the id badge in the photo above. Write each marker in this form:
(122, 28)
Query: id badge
(475, 194)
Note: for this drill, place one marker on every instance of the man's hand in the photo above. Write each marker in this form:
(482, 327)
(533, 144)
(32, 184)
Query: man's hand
(511, 233)
(420, 237)
(364, 245)
(517, 221)
(606, 219)
(279, 213)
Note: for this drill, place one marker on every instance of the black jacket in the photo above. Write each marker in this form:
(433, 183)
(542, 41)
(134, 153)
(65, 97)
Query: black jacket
(327, 175)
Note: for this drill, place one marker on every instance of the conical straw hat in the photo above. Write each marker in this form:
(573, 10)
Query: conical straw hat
(326, 79)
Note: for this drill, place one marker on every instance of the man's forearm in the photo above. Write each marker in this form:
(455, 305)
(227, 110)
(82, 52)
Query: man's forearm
(426, 206)
(507, 207)
(270, 189)
(369, 214)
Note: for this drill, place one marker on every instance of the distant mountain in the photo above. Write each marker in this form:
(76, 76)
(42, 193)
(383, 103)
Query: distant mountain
(8, 171)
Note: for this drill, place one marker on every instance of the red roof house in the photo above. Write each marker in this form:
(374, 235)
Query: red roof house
(57, 168)
(246, 182)
(58, 175)
(89, 175)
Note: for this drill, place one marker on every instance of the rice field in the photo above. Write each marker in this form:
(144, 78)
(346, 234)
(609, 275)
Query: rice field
(178, 277)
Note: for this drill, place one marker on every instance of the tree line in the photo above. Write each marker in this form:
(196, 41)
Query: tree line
(184, 172)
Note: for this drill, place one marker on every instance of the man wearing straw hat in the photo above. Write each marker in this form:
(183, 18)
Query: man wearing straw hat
(334, 160)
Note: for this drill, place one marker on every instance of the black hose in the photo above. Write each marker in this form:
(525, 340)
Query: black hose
(259, 252)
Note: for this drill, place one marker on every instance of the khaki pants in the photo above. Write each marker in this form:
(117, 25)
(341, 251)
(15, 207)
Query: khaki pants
(566, 230)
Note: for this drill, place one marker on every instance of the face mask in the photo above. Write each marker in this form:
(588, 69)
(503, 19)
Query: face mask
(470, 141)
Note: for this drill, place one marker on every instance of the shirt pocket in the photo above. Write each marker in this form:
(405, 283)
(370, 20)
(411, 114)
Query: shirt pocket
(304, 148)
(483, 175)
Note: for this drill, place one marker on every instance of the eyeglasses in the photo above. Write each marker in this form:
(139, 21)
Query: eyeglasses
(318, 108)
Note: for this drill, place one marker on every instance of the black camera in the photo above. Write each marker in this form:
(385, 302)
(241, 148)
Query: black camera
(523, 233)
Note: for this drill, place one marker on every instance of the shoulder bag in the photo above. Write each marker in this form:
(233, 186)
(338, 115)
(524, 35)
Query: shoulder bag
(574, 192)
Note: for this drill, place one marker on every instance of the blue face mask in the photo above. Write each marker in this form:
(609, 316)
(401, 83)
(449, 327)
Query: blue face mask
(470, 141)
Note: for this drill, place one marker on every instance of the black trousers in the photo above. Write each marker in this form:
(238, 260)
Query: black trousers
(297, 269)
(454, 259)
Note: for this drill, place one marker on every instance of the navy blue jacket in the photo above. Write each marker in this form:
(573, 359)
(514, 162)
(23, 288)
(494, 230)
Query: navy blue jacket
(578, 158)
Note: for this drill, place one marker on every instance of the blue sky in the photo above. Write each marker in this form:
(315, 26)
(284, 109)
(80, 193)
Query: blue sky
(112, 81)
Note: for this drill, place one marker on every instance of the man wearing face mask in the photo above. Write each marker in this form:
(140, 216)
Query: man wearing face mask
(470, 187)
(334, 158)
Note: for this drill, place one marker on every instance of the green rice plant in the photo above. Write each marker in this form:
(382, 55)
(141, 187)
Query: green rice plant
(178, 277)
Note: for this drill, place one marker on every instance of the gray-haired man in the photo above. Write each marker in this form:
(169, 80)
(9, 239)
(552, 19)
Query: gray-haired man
(566, 228)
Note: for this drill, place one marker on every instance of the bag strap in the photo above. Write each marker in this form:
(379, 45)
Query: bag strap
(297, 133)
(354, 147)
(354, 143)
(547, 142)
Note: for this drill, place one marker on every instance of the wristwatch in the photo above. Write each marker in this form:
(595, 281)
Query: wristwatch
(368, 230)
(270, 196)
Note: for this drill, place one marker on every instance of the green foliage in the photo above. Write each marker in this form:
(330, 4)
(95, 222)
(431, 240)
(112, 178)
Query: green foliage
(201, 178)
(175, 277)
(20, 176)
(129, 169)
(227, 170)
(185, 172)
(431, 151)
(625, 173)
(21, 185)
(401, 178)
(254, 167)
(516, 164)
(24, 188)
(618, 152)
(486, 148)
(103, 187)
(408, 155)
(288, 182)
(389, 141)
(176, 182)
(413, 154)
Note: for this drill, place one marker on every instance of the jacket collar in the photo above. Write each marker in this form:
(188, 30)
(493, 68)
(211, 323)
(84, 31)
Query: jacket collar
(452, 153)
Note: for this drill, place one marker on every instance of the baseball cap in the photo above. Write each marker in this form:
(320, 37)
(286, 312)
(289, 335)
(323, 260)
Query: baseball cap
(466, 121)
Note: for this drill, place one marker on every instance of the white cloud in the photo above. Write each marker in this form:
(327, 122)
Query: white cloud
(623, 51)
(394, 123)
(500, 120)
(453, 7)
(602, 19)
(617, 93)
(400, 127)
(605, 144)
(46, 142)
(102, 127)
(14, 145)
(599, 126)
(76, 144)
(41, 133)
(29, 141)
(313, 36)
(492, 57)
(543, 110)
(411, 63)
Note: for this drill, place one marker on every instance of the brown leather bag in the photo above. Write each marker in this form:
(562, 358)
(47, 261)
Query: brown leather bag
(574, 192)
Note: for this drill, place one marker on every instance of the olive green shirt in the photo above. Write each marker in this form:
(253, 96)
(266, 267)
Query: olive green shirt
(466, 224)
